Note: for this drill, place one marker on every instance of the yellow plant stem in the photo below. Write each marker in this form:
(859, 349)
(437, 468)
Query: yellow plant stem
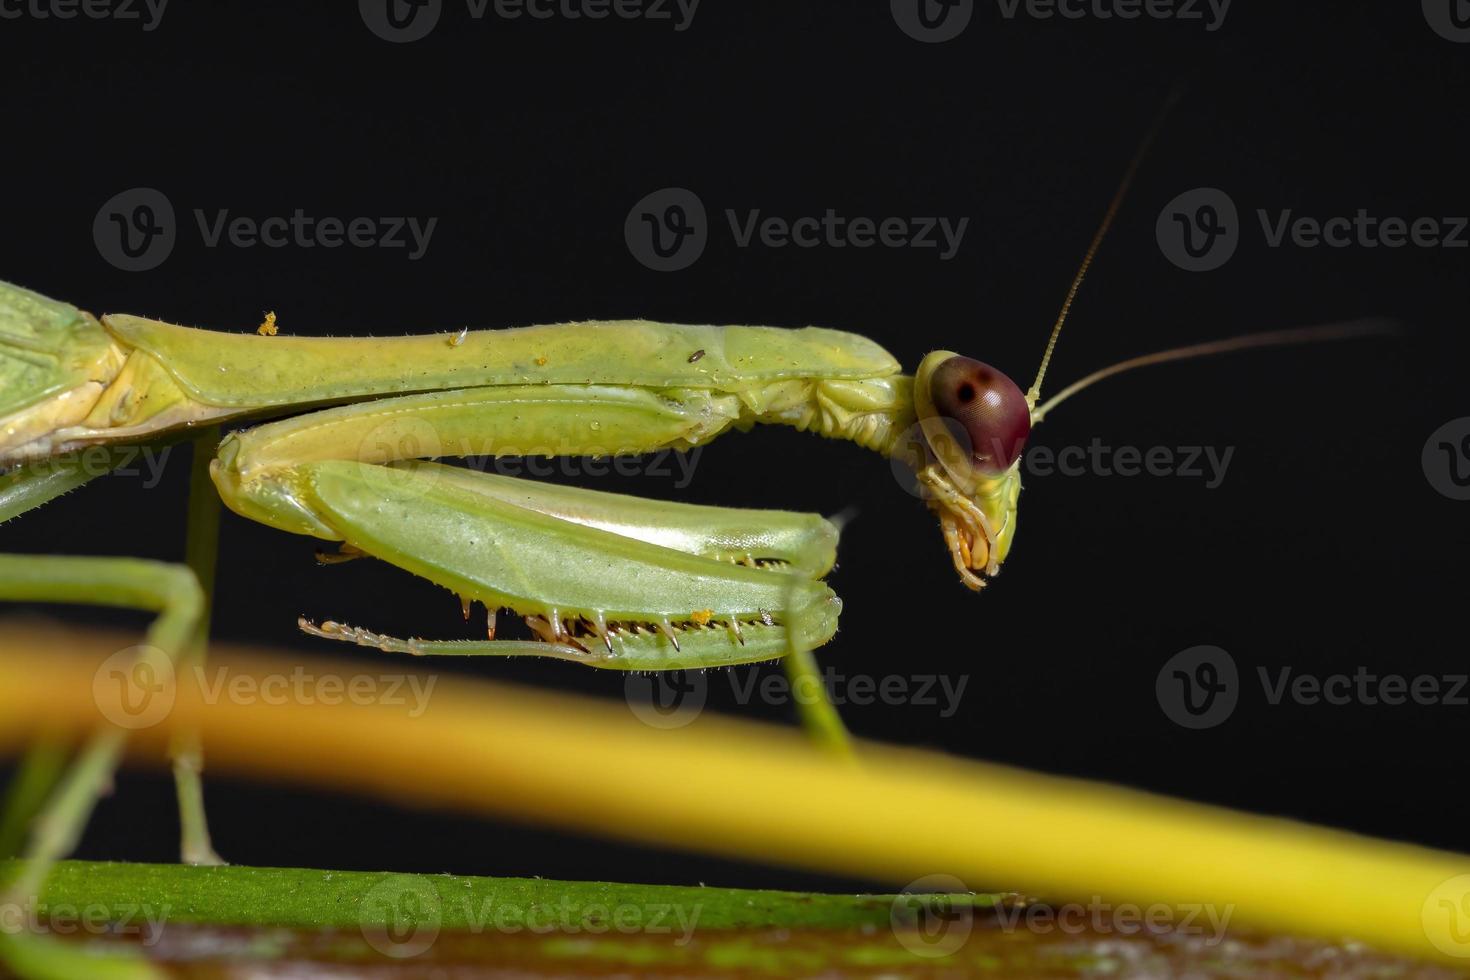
(754, 792)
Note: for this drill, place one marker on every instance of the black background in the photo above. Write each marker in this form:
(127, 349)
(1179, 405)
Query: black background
(1324, 549)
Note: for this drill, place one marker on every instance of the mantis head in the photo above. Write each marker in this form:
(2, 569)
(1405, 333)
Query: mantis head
(973, 422)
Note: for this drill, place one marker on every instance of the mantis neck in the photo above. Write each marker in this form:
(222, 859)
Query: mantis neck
(875, 413)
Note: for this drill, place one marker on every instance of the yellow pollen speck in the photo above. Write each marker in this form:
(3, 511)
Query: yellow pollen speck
(541, 361)
(267, 326)
(702, 616)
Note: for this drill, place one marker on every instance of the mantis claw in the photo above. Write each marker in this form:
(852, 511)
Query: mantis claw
(331, 630)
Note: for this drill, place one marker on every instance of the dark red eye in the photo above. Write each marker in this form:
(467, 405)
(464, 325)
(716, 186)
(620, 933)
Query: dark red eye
(988, 405)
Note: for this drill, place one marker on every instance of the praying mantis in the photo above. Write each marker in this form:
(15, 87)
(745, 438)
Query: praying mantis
(604, 580)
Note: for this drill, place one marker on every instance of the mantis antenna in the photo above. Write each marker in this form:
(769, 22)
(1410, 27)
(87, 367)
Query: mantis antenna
(1102, 229)
(1271, 338)
(1274, 338)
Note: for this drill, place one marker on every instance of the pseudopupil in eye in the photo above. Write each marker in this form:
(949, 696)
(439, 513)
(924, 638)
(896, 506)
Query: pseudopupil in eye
(988, 405)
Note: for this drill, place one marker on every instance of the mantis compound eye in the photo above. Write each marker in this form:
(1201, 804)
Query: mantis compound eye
(989, 407)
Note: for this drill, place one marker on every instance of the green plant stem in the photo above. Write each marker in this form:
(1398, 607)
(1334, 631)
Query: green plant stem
(818, 715)
(201, 554)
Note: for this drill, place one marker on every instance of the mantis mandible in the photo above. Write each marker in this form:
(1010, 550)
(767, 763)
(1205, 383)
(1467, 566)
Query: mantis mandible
(601, 579)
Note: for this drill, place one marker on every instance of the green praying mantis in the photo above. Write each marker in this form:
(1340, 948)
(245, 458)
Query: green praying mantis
(601, 579)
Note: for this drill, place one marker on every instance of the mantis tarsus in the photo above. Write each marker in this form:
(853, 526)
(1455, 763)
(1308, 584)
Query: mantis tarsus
(602, 579)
